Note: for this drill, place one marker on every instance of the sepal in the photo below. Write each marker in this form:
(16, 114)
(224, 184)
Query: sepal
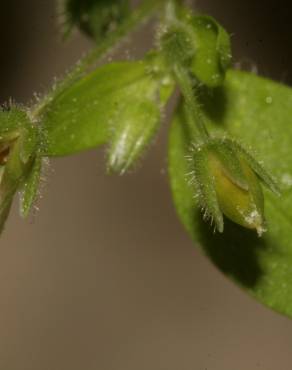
(227, 181)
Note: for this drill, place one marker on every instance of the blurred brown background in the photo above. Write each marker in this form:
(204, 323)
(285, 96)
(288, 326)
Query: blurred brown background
(104, 276)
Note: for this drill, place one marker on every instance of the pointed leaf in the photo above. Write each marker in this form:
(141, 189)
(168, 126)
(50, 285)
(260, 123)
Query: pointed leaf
(80, 118)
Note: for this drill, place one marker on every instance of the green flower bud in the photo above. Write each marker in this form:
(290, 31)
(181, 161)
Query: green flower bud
(227, 178)
(133, 125)
(213, 50)
(18, 138)
(137, 116)
(199, 43)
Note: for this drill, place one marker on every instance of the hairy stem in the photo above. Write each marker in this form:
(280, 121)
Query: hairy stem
(194, 116)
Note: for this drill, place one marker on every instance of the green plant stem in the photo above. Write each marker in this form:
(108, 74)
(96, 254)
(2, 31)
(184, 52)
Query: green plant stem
(146, 10)
(195, 120)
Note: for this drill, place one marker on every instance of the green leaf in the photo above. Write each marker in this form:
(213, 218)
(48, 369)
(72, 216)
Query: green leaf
(87, 114)
(80, 117)
(258, 112)
(96, 18)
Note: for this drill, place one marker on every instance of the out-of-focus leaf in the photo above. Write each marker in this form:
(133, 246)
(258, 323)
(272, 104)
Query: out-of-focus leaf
(258, 112)
(96, 18)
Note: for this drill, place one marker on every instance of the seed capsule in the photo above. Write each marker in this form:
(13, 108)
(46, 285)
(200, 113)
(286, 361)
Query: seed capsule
(227, 180)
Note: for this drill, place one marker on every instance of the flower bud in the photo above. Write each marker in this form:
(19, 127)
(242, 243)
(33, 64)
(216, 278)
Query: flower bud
(137, 116)
(227, 180)
(135, 127)
(17, 152)
(199, 43)
(213, 50)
